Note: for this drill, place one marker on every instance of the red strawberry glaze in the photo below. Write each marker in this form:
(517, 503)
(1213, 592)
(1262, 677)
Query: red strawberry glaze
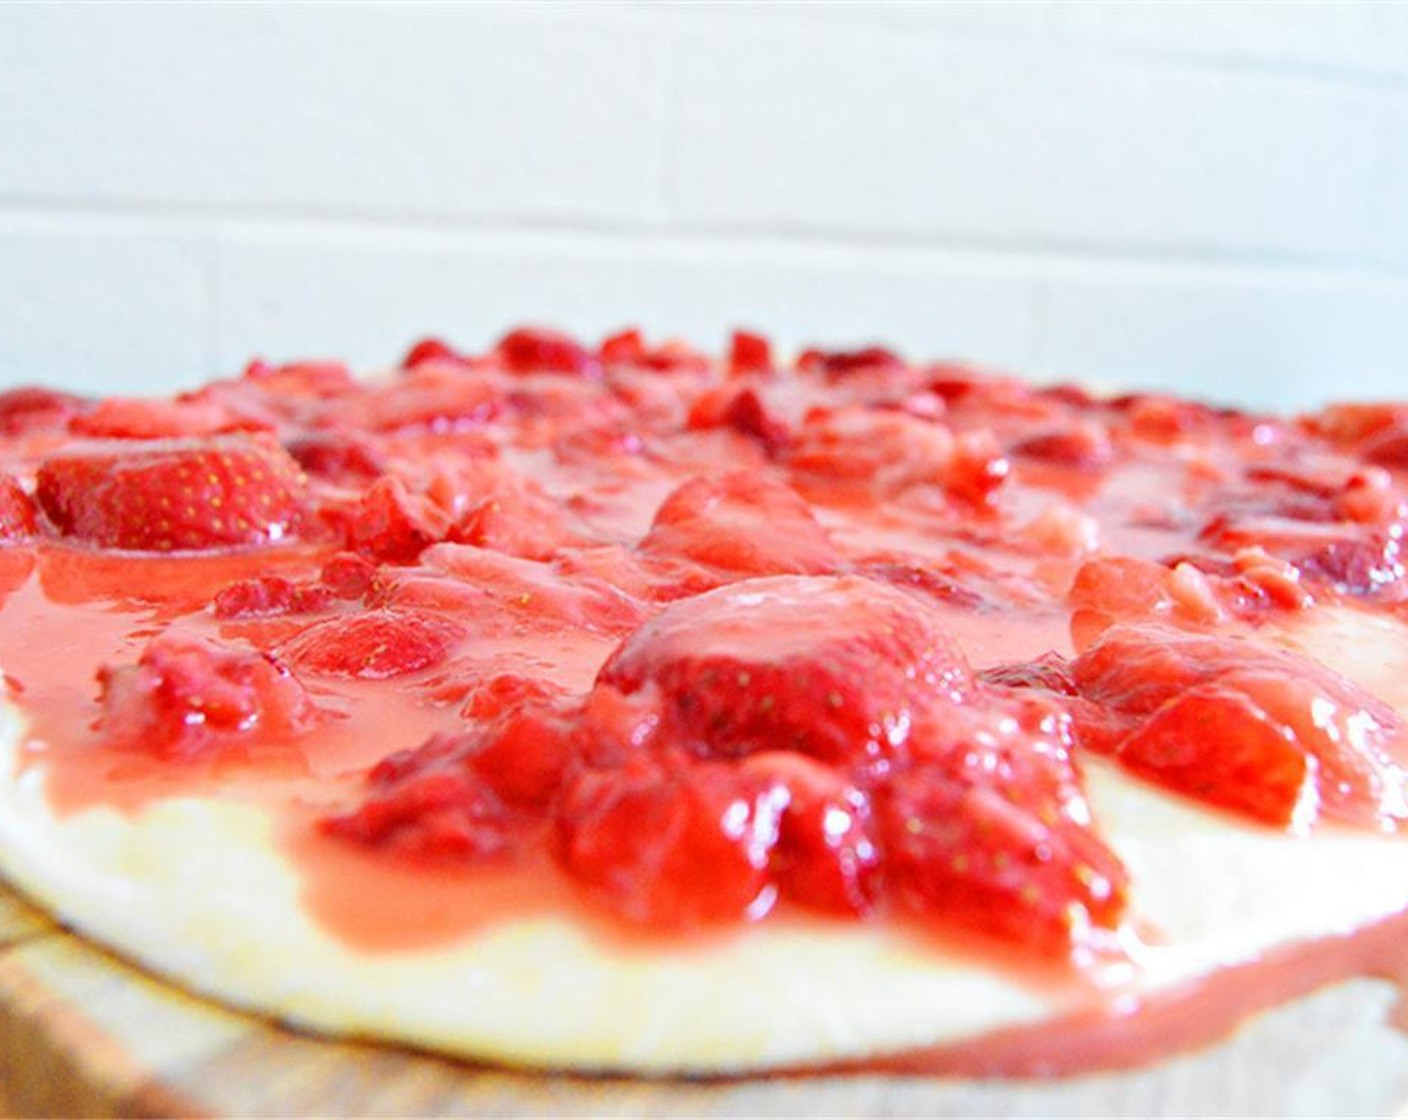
(521, 556)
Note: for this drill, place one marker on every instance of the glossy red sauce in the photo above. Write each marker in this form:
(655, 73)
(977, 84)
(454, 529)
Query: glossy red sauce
(516, 516)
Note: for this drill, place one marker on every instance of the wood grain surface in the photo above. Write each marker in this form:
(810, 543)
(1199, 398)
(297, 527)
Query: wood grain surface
(84, 1034)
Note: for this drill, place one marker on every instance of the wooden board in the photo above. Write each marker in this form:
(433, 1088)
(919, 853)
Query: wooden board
(84, 1034)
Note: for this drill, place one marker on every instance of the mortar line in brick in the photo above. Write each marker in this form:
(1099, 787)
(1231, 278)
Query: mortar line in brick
(535, 234)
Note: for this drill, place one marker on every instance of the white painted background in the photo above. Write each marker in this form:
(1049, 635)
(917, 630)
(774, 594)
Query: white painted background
(1212, 197)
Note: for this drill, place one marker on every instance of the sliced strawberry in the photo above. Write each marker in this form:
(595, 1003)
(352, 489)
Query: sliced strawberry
(673, 848)
(17, 519)
(184, 696)
(833, 668)
(1199, 714)
(269, 595)
(374, 645)
(745, 523)
(174, 495)
(537, 350)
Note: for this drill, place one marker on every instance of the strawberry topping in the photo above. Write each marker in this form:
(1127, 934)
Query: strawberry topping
(833, 668)
(16, 511)
(174, 495)
(1264, 732)
(185, 696)
(741, 523)
(374, 645)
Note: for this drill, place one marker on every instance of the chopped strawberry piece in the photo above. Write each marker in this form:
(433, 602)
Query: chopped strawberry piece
(1084, 447)
(519, 522)
(374, 645)
(1213, 743)
(1353, 558)
(174, 495)
(835, 363)
(464, 796)
(742, 522)
(440, 813)
(535, 592)
(925, 576)
(433, 351)
(1353, 422)
(30, 408)
(833, 668)
(749, 353)
(17, 519)
(626, 348)
(744, 412)
(524, 756)
(1049, 673)
(535, 350)
(825, 856)
(393, 525)
(873, 451)
(987, 853)
(339, 456)
(269, 595)
(1163, 419)
(670, 848)
(977, 469)
(1326, 747)
(135, 418)
(348, 575)
(184, 696)
(428, 398)
(489, 697)
(1387, 448)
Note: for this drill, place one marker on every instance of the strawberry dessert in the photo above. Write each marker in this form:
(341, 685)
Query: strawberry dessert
(968, 726)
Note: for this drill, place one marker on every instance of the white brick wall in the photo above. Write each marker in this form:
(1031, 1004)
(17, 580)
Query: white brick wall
(1212, 197)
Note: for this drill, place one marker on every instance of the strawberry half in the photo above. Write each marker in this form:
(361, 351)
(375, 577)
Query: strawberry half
(174, 495)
